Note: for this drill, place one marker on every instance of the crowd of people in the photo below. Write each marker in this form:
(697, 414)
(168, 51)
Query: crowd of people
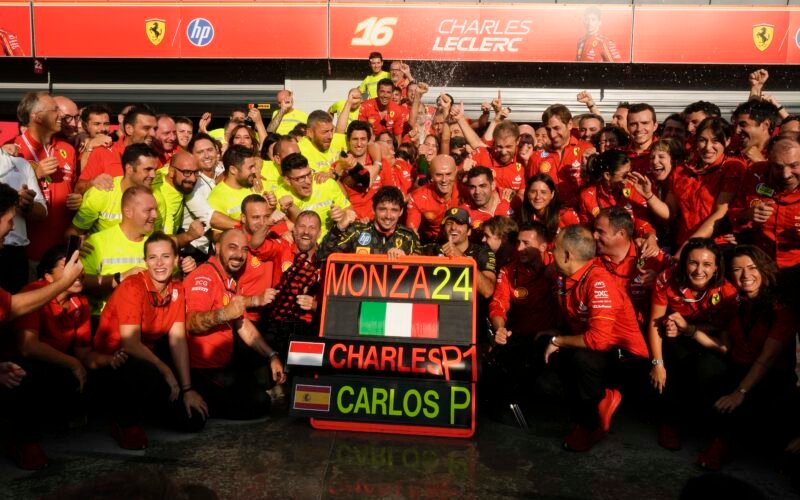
(161, 269)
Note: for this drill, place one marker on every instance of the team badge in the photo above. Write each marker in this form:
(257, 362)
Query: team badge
(364, 238)
(544, 154)
(430, 215)
(362, 250)
(545, 167)
(225, 300)
(626, 192)
(254, 262)
(174, 294)
(765, 190)
(595, 211)
(398, 243)
(63, 153)
(155, 30)
(520, 292)
(715, 299)
(756, 202)
(762, 36)
(576, 151)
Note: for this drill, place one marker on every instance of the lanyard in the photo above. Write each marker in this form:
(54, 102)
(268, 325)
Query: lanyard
(32, 150)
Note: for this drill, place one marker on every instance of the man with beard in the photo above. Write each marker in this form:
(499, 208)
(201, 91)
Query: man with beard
(382, 113)
(178, 182)
(139, 126)
(71, 121)
(382, 236)
(696, 112)
(484, 201)
(768, 203)
(53, 162)
(242, 167)
(231, 362)
(166, 140)
(95, 122)
(320, 146)
(753, 122)
(429, 203)
(286, 118)
(101, 209)
(563, 159)
(589, 125)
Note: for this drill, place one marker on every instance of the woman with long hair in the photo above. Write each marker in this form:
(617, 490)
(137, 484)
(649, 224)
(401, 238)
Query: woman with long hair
(542, 204)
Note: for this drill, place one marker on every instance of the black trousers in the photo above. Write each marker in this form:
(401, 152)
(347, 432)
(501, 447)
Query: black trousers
(47, 393)
(586, 374)
(13, 268)
(239, 390)
(510, 371)
(137, 391)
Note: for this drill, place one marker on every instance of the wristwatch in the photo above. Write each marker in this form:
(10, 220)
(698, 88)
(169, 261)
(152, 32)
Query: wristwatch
(553, 341)
(657, 362)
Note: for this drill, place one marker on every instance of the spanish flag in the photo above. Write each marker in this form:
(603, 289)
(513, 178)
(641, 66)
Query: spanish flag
(399, 319)
(312, 397)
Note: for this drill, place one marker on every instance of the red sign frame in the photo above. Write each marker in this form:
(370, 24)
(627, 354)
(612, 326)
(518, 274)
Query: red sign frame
(15, 29)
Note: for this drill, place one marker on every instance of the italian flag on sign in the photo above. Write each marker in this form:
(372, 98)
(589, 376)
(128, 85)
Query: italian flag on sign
(399, 319)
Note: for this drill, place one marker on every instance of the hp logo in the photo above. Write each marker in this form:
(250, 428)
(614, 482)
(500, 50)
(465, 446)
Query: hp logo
(200, 32)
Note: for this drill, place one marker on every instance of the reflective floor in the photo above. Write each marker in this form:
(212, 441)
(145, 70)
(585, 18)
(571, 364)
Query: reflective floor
(284, 457)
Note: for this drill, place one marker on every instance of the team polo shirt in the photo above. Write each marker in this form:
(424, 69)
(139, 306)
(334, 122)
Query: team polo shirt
(779, 236)
(323, 196)
(525, 299)
(55, 189)
(135, 302)
(370, 83)
(337, 108)
(361, 199)
(290, 120)
(169, 203)
(209, 288)
(278, 252)
(390, 120)
(426, 209)
(103, 160)
(564, 170)
(507, 176)
(478, 216)
(594, 198)
(750, 328)
(597, 48)
(321, 161)
(62, 327)
(227, 200)
(112, 253)
(398, 173)
(714, 305)
(567, 216)
(640, 162)
(627, 275)
(261, 271)
(597, 309)
(696, 192)
(100, 209)
(5, 305)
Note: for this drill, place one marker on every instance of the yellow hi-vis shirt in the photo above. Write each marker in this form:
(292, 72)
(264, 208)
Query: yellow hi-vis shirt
(100, 209)
(322, 197)
(320, 161)
(169, 203)
(290, 121)
(226, 200)
(338, 106)
(370, 83)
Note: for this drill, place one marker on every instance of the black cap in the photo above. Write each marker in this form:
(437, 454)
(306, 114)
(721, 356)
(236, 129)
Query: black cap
(459, 215)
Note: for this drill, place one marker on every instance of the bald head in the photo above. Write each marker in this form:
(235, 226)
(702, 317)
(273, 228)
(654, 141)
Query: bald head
(443, 174)
(526, 129)
(71, 121)
(183, 171)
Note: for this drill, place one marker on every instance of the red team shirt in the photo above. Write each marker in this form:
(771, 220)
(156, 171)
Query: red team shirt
(132, 304)
(779, 236)
(564, 170)
(391, 121)
(715, 305)
(426, 210)
(104, 161)
(478, 216)
(594, 198)
(398, 173)
(598, 310)
(55, 188)
(61, 327)
(506, 176)
(525, 299)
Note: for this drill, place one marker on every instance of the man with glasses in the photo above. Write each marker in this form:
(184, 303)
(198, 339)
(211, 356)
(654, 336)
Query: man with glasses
(301, 192)
(174, 185)
(53, 162)
(71, 120)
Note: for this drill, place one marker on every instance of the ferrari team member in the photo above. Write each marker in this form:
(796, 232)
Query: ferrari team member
(369, 85)
(321, 147)
(484, 201)
(600, 330)
(501, 158)
(563, 159)
(54, 163)
(166, 140)
(241, 172)
(641, 125)
(753, 122)
(768, 203)
(382, 236)
(139, 126)
(95, 123)
(231, 362)
(286, 116)
(382, 113)
(429, 203)
(101, 209)
(169, 190)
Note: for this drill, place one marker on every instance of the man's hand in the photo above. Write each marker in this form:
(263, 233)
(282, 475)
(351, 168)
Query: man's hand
(188, 264)
(305, 302)
(549, 351)
(267, 297)
(11, 374)
(457, 112)
(79, 372)
(255, 115)
(45, 168)
(118, 359)
(103, 182)
(353, 96)
(658, 378)
(757, 79)
(422, 89)
(236, 307)
(278, 374)
(450, 250)
(649, 247)
(196, 229)
(584, 97)
(174, 388)
(100, 140)
(11, 149)
(445, 103)
(501, 336)
(74, 201)
(285, 202)
(642, 184)
(726, 404)
(272, 201)
(406, 69)
(395, 253)
(26, 197)
(192, 400)
(205, 120)
(759, 213)
(73, 268)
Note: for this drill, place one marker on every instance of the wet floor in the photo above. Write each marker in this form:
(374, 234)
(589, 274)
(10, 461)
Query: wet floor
(284, 457)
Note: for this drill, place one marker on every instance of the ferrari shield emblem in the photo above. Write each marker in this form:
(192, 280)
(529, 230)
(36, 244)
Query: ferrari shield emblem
(155, 29)
(762, 36)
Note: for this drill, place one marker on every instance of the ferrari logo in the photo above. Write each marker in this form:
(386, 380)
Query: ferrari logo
(762, 36)
(155, 30)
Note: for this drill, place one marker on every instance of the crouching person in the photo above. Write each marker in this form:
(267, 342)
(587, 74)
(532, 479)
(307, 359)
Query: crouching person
(232, 364)
(600, 343)
(143, 332)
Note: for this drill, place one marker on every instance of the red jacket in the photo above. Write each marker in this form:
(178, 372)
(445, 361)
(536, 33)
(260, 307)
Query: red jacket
(566, 170)
(594, 198)
(506, 176)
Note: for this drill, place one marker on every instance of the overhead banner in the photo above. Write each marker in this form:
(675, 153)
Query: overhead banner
(716, 35)
(15, 29)
(260, 29)
(481, 32)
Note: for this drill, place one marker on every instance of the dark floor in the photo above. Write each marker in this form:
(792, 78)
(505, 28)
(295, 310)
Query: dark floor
(284, 457)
